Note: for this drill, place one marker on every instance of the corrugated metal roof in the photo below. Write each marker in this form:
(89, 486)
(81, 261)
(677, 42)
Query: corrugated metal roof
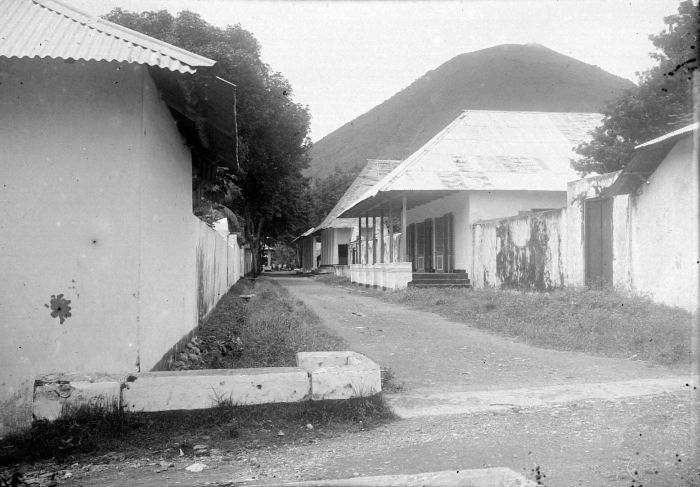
(495, 151)
(371, 174)
(52, 29)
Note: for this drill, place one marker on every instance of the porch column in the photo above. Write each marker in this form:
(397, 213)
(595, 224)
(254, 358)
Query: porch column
(374, 240)
(381, 234)
(367, 238)
(434, 259)
(404, 253)
(391, 236)
(358, 253)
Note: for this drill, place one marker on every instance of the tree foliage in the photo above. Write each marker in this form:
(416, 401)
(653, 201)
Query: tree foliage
(326, 191)
(661, 103)
(268, 190)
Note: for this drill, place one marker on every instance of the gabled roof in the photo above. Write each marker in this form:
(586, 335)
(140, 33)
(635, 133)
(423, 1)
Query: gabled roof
(49, 28)
(202, 103)
(493, 151)
(371, 174)
(646, 159)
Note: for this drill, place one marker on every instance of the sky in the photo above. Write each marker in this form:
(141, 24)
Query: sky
(342, 58)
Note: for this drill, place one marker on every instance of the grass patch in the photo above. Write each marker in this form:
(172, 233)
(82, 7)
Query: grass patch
(101, 431)
(265, 331)
(601, 322)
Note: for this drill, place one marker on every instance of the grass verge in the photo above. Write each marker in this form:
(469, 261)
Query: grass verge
(596, 321)
(265, 331)
(118, 435)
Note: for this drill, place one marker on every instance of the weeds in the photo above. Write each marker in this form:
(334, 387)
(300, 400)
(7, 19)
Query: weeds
(98, 431)
(597, 321)
(265, 331)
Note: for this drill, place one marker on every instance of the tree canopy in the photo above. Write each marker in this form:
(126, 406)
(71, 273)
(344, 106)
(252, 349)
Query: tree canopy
(661, 103)
(267, 191)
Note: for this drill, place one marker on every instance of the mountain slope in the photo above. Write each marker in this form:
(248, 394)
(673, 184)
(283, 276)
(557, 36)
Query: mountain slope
(505, 77)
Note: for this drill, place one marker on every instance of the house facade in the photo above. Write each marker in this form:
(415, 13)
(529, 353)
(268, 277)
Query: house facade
(105, 268)
(484, 165)
(339, 236)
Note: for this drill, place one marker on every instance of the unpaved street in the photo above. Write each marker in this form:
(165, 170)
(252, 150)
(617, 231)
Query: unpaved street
(600, 436)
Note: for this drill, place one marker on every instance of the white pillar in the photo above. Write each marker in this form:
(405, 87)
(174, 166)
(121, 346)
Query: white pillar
(404, 254)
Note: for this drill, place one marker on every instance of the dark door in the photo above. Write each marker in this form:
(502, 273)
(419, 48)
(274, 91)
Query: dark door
(440, 245)
(429, 267)
(420, 247)
(343, 254)
(598, 241)
(410, 243)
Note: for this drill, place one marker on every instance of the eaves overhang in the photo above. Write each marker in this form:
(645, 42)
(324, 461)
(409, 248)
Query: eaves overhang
(646, 159)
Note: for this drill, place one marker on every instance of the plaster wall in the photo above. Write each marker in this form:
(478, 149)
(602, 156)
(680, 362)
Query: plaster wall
(167, 237)
(71, 135)
(330, 239)
(96, 199)
(661, 227)
(525, 252)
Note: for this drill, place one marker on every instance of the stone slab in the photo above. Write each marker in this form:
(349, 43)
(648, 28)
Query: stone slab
(340, 374)
(200, 389)
(486, 477)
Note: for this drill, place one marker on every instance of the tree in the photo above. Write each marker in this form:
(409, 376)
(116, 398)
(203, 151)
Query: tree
(325, 193)
(267, 191)
(661, 103)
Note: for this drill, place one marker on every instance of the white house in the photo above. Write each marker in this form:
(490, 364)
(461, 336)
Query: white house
(339, 236)
(484, 165)
(104, 267)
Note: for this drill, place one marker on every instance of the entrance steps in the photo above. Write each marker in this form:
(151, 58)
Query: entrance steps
(434, 279)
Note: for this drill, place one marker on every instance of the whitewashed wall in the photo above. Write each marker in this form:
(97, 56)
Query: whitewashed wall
(656, 233)
(95, 208)
(526, 252)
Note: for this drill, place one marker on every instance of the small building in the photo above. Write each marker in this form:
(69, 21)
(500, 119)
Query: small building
(308, 250)
(641, 232)
(635, 230)
(104, 266)
(339, 236)
(484, 165)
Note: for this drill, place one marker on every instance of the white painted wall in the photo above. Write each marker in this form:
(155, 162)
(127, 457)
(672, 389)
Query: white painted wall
(330, 239)
(656, 233)
(95, 204)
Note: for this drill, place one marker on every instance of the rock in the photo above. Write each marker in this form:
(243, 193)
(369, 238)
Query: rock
(196, 467)
(309, 426)
(280, 433)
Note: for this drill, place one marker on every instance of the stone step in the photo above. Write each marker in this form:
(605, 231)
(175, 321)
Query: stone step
(440, 284)
(419, 276)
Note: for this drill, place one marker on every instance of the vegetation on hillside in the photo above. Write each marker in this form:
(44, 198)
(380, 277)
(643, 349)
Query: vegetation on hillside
(662, 102)
(266, 194)
(507, 77)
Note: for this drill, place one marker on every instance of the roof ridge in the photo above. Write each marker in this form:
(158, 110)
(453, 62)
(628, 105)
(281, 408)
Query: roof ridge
(530, 112)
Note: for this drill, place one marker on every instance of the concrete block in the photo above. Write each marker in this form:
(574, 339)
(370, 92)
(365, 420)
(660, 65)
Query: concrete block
(340, 375)
(486, 477)
(200, 389)
(52, 395)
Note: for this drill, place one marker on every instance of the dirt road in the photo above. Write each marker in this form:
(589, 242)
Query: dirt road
(594, 436)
